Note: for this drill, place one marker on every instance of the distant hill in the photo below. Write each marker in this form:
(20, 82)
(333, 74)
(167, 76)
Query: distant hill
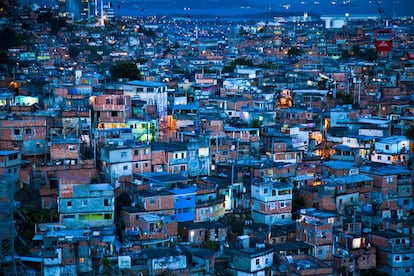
(193, 4)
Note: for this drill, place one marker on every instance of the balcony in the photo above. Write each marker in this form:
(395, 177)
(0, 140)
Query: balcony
(213, 202)
(17, 137)
(400, 248)
(404, 181)
(178, 161)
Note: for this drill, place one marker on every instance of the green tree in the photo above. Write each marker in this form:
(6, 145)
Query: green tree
(356, 51)
(25, 26)
(369, 54)
(8, 38)
(147, 32)
(294, 51)
(345, 55)
(166, 51)
(243, 32)
(7, 7)
(409, 133)
(141, 60)
(211, 245)
(344, 98)
(298, 202)
(55, 22)
(125, 69)
(96, 53)
(322, 84)
(255, 123)
(73, 51)
(242, 61)
(45, 17)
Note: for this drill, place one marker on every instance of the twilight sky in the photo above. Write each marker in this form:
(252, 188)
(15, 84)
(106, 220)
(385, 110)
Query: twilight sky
(231, 7)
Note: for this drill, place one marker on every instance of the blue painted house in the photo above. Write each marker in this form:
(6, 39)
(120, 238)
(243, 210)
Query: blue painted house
(184, 203)
(184, 193)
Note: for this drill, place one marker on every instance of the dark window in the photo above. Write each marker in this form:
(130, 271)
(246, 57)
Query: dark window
(17, 132)
(54, 183)
(114, 113)
(13, 156)
(106, 202)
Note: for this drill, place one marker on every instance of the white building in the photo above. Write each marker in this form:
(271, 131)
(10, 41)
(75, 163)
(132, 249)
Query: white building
(391, 150)
(154, 93)
(86, 205)
(250, 260)
(116, 161)
(271, 202)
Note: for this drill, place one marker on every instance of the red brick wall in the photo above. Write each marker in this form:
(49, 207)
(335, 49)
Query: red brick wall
(367, 260)
(144, 166)
(158, 158)
(380, 182)
(379, 241)
(160, 203)
(265, 207)
(172, 229)
(7, 136)
(327, 203)
(61, 151)
(141, 156)
(106, 117)
(308, 196)
(279, 147)
(68, 254)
